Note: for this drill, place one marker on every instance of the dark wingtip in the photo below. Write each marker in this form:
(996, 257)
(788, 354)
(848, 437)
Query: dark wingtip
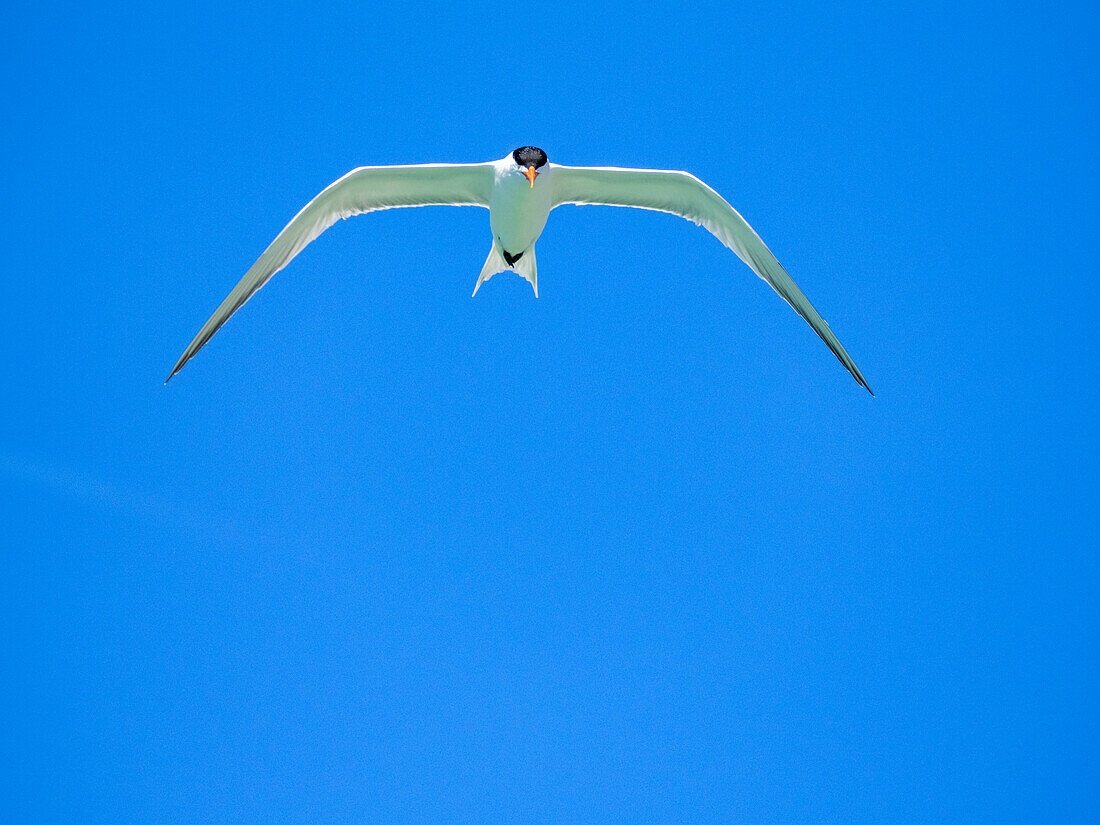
(863, 383)
(175, 369)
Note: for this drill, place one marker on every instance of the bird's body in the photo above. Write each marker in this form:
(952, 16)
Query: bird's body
(519, 190)
(517, 211)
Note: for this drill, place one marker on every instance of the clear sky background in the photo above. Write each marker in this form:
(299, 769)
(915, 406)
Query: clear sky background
(637, 551)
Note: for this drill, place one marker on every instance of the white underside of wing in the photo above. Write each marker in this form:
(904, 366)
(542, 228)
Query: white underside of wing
(366, 189)
(680, 193)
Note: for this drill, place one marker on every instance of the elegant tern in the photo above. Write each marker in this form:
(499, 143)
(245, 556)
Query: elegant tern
(519, 190)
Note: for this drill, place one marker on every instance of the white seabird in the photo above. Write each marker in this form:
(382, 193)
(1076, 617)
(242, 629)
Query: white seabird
(519, 198)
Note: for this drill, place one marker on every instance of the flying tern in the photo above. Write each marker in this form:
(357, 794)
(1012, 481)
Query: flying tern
(519, 190)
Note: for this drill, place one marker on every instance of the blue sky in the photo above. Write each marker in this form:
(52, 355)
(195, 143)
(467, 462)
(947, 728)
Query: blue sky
(639, 550)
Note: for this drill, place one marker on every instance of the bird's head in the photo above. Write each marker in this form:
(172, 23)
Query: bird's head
(528, 160)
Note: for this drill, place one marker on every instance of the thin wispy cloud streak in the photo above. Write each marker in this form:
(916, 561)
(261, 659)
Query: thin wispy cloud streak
(90, 490)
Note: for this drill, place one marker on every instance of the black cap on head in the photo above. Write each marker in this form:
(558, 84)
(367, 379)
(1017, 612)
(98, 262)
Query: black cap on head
(529, 156)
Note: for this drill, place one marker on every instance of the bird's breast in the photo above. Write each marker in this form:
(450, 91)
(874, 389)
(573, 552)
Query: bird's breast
(518, 211)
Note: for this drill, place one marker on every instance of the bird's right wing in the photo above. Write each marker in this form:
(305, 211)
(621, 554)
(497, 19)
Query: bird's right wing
(685, 195)
(366, 189)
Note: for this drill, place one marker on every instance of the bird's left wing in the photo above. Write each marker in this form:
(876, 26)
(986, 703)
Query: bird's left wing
(366, 189)
(685, 195)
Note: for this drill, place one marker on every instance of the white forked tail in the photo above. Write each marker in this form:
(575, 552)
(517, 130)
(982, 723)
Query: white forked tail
(495, 263)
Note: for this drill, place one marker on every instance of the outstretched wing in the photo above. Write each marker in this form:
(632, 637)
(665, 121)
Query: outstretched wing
(366, 189)
(685, 195)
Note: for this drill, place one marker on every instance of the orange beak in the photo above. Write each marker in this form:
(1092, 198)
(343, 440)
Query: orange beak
(531, 174)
